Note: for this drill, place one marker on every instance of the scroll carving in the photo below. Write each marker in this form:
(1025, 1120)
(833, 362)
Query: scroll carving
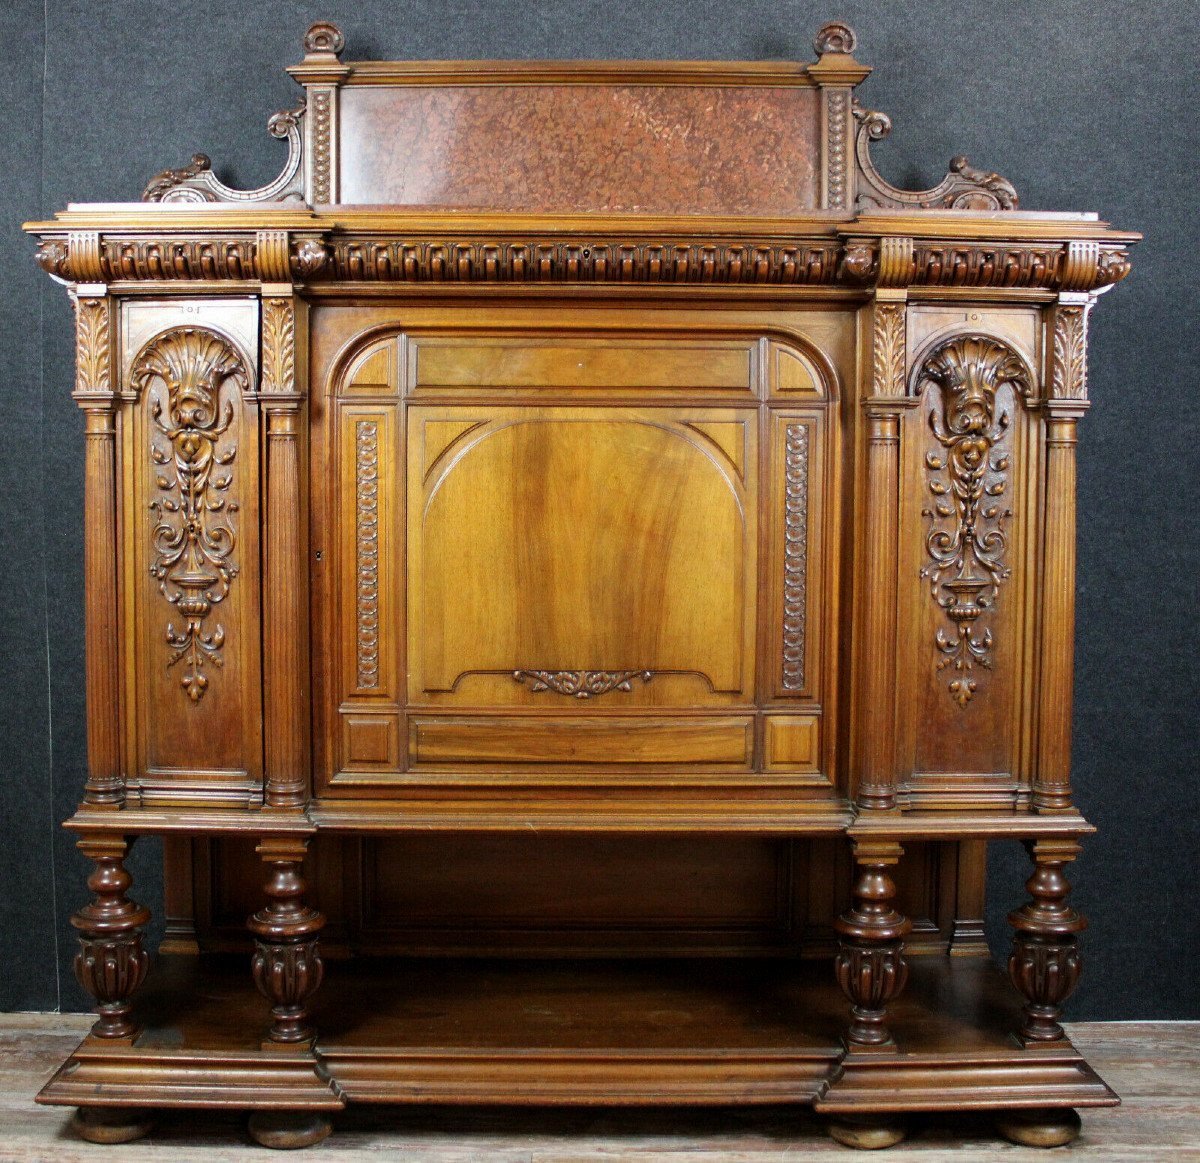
(795, 554)
(367, 554)
(193, 538)
(967, 476)
(1068, 379)
(196, 181)
(963, 188)
(581, 684)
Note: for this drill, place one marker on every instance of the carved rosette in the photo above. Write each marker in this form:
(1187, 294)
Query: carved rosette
(193, 538)
(967, 474)
(795, 554)
(111, 962)
(366, 483)
(581, 684)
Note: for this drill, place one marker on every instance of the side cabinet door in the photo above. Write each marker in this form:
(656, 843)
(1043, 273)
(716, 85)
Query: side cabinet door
(191, 603)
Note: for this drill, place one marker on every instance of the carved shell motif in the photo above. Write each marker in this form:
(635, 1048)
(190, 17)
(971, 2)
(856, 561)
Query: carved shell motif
(193, 536)
(967, 474)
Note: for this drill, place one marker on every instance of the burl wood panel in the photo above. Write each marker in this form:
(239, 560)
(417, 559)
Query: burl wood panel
(582, 147)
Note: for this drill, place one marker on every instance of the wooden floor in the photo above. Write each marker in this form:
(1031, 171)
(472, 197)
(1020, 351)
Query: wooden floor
(1154, 1066)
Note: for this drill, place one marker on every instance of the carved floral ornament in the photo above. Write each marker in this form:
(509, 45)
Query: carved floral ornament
(193, 537)
(967, 475)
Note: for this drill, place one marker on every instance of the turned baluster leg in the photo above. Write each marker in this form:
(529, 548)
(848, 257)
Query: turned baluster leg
(1045, 962)
(111, 962)
(871, 971)
(287, 963)
(870, 966)
(1044, 967)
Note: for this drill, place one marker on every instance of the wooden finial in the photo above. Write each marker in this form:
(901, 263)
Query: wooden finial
(835, 37)
(323, 39)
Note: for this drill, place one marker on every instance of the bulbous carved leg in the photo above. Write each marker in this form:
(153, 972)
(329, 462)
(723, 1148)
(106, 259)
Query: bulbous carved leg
(111, 1125)
(870, 964)
(1045, 961)
(111, 962)
(287, 963)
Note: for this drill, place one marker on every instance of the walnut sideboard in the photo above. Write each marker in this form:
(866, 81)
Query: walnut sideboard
(587, 566)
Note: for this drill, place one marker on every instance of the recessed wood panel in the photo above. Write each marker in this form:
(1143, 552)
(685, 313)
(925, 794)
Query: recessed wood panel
(792, 742)
(370, 742)
(191, 465)
(627, 741)
(547, 147)
(560, 555)
(616, 363)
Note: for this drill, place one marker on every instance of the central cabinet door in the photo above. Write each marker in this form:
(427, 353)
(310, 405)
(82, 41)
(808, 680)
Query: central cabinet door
(581, 584)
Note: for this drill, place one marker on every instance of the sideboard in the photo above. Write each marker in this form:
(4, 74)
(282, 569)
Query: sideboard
(586, 565)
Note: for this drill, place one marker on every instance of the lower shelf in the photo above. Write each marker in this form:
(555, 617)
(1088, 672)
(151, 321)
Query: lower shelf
(695, 1031)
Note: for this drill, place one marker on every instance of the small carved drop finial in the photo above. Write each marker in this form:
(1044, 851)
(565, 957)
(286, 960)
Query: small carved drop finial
(835, 37)
(324, 38)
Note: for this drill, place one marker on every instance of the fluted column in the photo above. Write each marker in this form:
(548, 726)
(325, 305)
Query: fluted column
(95, 395)
(1065, 404)
(876, 625)
(285, 590)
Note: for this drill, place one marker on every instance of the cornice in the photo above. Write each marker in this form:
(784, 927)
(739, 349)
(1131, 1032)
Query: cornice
(1036, 252)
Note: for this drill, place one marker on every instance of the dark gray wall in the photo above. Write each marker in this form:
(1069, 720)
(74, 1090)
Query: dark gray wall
(1083, 105)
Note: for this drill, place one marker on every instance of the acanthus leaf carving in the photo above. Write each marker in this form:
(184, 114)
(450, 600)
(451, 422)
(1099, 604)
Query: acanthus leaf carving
(967, 475)
(1068, 380)
(92, 348)
(581, 684)
(278, 346)
(193, 537)
(963, 188)
(889, 350)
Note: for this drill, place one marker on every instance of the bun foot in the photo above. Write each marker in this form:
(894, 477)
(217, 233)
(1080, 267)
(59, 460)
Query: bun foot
(288, 1130)
(866, 1132)
(1055, 1127)
(111, 1124)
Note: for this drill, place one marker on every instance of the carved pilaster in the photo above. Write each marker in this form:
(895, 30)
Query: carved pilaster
(94, 393)
(877, 634)
(285, 606)
(1045, 962)
(287, 963)
(870, 965)
(111, 962)
(1066, 402)
(321, 73)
